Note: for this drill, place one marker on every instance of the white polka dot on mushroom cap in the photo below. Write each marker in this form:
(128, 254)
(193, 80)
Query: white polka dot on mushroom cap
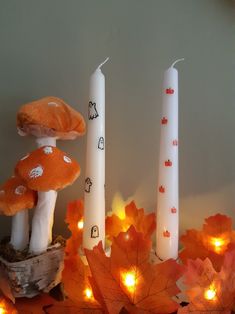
(48, 150)
(2, 192)
(23, 158)
(52, 103)
(67, 159)
(20, 190)
(36, 172)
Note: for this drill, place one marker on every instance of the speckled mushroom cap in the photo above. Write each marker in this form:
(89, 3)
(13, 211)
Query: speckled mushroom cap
(47, 168)
(50, 116)
(16, 196)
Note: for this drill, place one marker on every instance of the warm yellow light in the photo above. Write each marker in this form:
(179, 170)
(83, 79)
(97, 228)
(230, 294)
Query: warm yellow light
(129, 280)
(210, 294)
(2, 310)
(218, 243)
(88, 293)
(80, 226)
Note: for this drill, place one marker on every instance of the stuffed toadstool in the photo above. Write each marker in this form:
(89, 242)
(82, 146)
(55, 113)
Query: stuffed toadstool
(49, 119)
(15, 200)
(46, 170)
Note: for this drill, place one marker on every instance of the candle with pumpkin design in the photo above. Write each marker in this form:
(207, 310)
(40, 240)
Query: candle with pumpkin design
(94, 198)
(168, 185)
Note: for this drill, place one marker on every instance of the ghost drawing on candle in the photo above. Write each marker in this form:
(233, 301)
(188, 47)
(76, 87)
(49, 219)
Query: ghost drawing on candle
(168, 190)
(94, 197)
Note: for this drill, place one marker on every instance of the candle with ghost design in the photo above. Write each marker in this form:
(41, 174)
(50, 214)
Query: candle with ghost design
(168, 175)
(94, 199)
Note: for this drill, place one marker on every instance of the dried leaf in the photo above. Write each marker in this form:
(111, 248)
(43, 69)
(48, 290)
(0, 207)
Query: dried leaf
(208, 290)
(145, 223)
(74, 215)
(215, 238)
(153, 285)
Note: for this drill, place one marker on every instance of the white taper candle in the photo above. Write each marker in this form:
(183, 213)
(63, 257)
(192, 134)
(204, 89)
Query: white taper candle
(168, 175)
(94, 200)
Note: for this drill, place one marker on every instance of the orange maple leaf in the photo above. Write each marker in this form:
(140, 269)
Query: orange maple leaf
(210, 291)
(75, 278)
(43, 303)
(127, 280)
(75, 273)
(215, 238)
(145, 223)
(36, 305)
(6, 306)
(74, 215)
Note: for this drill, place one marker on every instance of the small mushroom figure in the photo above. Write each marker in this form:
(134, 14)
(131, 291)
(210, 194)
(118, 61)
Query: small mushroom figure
(46, 170)
(15, 200)
(49, 119)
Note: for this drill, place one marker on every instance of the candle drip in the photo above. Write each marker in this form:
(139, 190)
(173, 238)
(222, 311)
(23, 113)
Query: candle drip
(176, 61)
(107, 59)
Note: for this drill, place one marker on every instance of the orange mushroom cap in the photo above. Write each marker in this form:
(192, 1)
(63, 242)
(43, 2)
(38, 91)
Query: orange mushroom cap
(47, 168)
(50, 116)
(16, 196)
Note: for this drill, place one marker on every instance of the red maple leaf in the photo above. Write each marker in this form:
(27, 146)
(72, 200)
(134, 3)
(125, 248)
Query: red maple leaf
(210, 291)
(74, 215)
(127, 280)
(215, 238)
(145, 223)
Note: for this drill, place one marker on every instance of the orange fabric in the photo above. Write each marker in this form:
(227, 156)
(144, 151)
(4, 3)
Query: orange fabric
(15, 196)
(47, 168)
(50, 116)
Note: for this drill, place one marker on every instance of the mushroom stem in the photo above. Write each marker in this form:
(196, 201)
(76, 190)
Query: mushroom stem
(20, 230)
(44, 141)
(42, 222)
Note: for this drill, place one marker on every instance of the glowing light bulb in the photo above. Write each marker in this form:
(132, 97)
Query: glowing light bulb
(2, 310)
(129, 280)
(80, 226)
(218, 243)
(210, 294)
(88, 293)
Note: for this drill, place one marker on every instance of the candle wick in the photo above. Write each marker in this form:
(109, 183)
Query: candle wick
(103, 63)
(178, 60)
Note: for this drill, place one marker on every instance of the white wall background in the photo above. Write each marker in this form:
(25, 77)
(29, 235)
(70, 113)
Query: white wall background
(51, 48)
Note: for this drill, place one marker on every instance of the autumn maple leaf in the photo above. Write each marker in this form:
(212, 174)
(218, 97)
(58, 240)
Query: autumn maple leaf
(215, 238)
(145, 223)
(45, 304)
(75, 279)
(7, 306)
(127, 280)
(74, 215)
(210, 291)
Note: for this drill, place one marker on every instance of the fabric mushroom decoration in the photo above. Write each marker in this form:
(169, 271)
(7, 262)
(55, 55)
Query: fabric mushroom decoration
(15, 200)
(46, 170)
(49, 119)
